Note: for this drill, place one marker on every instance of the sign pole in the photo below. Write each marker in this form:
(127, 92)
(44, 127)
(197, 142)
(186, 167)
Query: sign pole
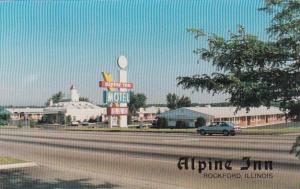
(110, 121)
(122, 63)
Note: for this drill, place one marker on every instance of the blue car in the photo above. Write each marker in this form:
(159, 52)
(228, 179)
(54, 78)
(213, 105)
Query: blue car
(223, 128)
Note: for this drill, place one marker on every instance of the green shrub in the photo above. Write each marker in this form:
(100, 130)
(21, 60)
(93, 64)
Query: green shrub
(180, 124)
(3, 122)
(68, 120)
(200, 122)
(32, 124)
(162, 122)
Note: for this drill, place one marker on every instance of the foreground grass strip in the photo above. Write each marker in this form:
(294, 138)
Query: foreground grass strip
(287, 130)
(7, 160)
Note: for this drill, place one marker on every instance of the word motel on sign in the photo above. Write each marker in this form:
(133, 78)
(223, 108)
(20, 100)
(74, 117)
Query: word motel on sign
(116, 97)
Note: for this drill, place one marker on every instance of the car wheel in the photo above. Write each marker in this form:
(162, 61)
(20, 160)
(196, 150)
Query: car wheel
(202, 132)
(225, 133)
(232, 133)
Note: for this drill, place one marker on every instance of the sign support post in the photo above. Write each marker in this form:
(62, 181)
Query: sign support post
(122, 63)
(123, 78)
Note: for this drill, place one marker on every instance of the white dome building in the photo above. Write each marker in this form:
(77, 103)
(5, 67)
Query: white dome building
(74, 108)
(74, 94)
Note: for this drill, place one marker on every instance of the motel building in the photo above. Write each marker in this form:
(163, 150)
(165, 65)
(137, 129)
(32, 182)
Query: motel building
(18, 115)
(255, 117)
(78, 110)
(150, 113)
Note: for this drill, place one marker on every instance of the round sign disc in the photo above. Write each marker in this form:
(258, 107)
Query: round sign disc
(122, 62)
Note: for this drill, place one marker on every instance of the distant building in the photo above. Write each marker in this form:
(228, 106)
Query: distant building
(150, 113)
(255, 117)
(17, 114)
(75, 109)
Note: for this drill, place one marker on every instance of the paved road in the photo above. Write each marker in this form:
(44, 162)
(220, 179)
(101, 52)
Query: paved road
(73, 159)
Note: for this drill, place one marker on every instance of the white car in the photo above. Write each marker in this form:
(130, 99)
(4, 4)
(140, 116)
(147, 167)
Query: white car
(74, 123)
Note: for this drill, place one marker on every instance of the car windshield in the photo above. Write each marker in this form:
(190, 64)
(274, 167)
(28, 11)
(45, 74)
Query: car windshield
(231, 124)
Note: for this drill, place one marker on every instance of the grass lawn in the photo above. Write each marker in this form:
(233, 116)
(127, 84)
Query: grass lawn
(7, 160)
(287, 130)
(284, 128)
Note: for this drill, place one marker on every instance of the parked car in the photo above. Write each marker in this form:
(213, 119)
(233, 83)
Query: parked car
(224, 128)
(86, 123)
(74, 123)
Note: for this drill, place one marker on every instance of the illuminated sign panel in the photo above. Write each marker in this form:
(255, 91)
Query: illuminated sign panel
(119, 85)
(116, 97)
(117, 111)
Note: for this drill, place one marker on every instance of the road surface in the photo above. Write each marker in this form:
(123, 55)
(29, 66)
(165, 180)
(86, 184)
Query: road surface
(74, 159)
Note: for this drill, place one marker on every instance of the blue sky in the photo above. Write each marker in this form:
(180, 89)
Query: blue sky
(45, 46)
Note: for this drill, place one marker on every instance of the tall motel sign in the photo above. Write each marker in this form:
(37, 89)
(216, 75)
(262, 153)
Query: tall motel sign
(117, 96)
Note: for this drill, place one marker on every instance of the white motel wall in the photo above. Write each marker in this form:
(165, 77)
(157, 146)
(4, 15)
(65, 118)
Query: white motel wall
(255, 117)
(78, 111)
(22, 114)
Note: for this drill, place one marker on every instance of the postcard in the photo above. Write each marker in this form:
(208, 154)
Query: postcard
(149, 94)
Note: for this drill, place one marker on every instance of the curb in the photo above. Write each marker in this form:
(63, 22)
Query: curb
(17, 166)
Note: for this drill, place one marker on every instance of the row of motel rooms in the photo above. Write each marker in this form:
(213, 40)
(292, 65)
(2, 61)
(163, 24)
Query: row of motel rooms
(255, 117)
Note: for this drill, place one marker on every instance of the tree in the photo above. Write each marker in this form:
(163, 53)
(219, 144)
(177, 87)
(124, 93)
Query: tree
(55, 98)
(4, 114)
(68, 119)
(295, 148)
(254, 72)
(294, 112)
(285, 29)
(137, 101)
(184, 102)
(174, 101)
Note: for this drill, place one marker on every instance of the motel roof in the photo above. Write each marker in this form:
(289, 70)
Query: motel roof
(224, 112)
(26, 110)
(219, 112)
(152, 110)
(65, 106)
